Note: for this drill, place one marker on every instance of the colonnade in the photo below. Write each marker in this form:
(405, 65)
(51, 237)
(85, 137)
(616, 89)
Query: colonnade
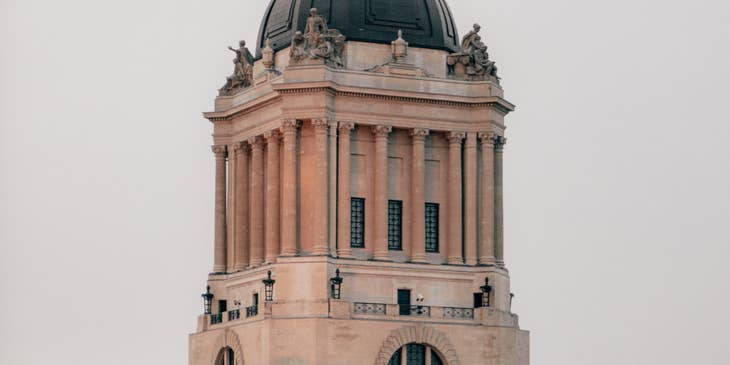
(261, 234)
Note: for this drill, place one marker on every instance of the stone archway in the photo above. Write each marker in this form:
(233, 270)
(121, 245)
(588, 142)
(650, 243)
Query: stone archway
(420, 335)
(228, 338)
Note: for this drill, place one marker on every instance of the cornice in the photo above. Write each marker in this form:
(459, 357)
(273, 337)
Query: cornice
(332, 89)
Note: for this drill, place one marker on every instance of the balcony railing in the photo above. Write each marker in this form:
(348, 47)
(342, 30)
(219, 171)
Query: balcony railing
(252, 311)
(420, 311)
(458, 313)
(216, 318)
(234, 315)
(370, 308)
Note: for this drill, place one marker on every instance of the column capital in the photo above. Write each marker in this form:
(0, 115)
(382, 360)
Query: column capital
(381, 130)
(419, 134)
(455, 137)
(499, 142)
(289, 126)
(346, 126)
(256, 142)
(239, 148)
(487, 137)
(272, 135)
(320, 124)
(220, 151)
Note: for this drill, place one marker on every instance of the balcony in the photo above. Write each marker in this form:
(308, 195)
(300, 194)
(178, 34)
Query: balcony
(252, 311)
(413, 311)
(234, 315)
(216, 318)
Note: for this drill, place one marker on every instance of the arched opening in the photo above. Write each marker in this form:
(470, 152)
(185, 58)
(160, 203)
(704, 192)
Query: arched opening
(226, 356)
(416, 354)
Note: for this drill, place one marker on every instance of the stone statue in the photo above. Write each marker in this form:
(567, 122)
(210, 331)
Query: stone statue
(316, 27)
(318, 42)
(472, 62)
(469, 42)
(399, 47)
(242, 72)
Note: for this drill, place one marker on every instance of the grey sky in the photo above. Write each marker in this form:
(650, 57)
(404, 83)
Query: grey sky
(617, 175)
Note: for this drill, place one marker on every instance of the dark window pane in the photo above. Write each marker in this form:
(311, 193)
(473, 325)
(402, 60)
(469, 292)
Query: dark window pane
(357, 222)
(435, 359)
(231, 358)
(432, 227)
(395, 225)
(395, 360)
(404, 302)
(415, 354)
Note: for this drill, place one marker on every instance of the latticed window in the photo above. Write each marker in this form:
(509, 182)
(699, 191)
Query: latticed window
(395, 225)
(432, 227)
(357, 222)
(396, 359)
(415, 354)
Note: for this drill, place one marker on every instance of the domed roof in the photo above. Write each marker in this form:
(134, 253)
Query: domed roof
(425, 23)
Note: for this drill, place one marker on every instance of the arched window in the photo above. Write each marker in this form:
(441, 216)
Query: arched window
(416, 354)
(225, 357)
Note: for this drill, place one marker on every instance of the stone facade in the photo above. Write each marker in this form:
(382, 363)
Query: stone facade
(292, 150)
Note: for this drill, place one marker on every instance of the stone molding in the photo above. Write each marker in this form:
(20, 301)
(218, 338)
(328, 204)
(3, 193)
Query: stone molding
(230, 339)
(487, 138)
(424, 335)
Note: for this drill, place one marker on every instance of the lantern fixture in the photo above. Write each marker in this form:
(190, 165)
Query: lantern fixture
(486, 293)
(336, 285)
(207, 300)
(269, 287)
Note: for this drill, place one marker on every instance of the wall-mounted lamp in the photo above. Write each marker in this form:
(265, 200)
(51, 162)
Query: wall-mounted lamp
(336, 285)
(486, 293)
(269, 287)
(207, 300)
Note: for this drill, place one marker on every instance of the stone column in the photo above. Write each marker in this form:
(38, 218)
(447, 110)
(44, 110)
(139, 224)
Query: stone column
(240, 261)
(486, 206)
(273, 209)
(332, 189)
(289, 189)
(455, 216)
(418, 199)
(380, 183)
(257, 200)
(470, 199)
(221, 153)
(498, 200)
(343, 191)
(319, 224)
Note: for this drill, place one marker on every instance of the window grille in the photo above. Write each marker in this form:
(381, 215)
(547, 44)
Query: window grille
(357, 222)
(432, 227)
(415, 354)
(395, 225)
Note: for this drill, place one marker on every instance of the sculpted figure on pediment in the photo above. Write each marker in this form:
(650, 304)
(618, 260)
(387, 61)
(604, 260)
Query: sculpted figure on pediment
(242, 76)
(472, 62)
(318, 42)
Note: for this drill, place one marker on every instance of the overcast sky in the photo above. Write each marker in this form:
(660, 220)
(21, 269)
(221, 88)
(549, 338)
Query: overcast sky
(617, 175)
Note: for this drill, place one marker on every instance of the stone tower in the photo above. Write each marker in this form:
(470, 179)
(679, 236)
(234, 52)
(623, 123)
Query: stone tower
(358, 194)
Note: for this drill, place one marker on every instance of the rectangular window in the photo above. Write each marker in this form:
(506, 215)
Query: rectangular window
(478, 300)
(222, 306)
(404, 302)
(395, 225)
(432, 227)
(357, 222)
